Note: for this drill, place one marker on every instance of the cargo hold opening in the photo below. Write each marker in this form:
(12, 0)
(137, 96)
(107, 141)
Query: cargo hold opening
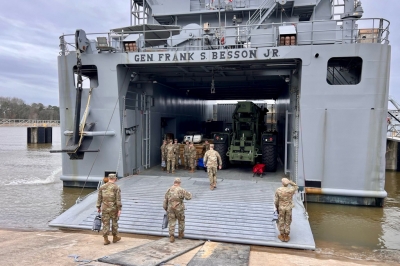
(178, 98)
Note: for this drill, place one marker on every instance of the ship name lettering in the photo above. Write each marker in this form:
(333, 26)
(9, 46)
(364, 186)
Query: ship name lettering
(274, 53)
(215, 55)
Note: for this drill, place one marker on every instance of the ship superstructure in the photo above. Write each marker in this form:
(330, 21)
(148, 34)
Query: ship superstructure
(324, 64)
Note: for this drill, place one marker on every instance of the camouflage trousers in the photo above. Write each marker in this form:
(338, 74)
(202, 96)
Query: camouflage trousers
(171, 164)
(192, 163)
(187, 160)
(284, 221)
(174, 215)
(177, 161)
(212, 175)
(105, 218)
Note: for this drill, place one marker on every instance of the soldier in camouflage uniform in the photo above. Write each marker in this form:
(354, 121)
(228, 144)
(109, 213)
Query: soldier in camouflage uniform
(284, 204)
(163, 154)
(170, 149)
(192, 157)
(206, 147)
(173, 204)
(211, 160)
(109, 199)
(177, 153)
(186, 155)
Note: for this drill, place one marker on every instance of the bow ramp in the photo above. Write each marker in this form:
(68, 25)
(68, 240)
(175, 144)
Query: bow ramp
(238, 211)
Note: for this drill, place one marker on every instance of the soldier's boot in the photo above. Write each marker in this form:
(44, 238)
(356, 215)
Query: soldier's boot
(281, 237)
(171, 239)
(106, 241)
(215, 185)
(191, 170)
(181, 235)
(173, 171)
(287, 237)
(211, 187)
(116, 239)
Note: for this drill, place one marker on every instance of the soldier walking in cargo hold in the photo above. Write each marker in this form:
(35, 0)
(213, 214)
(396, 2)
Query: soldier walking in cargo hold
(177, 153)
(109, 200)
(186, 155)
(163, 155)
(211, 160)
(173, 204)
(192, 157)
(284, 204)
(170, 149)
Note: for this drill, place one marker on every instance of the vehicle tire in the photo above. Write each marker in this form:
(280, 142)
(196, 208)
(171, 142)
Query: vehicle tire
(222, 149)
(269, 158)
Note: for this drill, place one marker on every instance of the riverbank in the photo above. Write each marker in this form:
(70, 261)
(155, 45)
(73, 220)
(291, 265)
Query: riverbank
(55, 248)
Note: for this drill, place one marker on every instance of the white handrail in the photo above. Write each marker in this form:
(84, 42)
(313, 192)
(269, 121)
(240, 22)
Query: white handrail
(260, 12)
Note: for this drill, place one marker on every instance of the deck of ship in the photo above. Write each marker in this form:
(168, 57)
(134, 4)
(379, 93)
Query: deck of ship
(238, 211)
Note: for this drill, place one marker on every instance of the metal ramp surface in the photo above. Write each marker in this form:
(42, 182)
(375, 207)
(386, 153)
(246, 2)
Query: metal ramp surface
(238, 211)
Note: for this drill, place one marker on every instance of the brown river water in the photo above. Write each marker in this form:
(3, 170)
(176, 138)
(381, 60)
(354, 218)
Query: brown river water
(32, 195)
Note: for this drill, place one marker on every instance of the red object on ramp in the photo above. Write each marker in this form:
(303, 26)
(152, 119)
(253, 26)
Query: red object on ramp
(258, 169)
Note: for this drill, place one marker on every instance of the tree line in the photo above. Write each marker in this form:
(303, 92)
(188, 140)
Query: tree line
(15, 108)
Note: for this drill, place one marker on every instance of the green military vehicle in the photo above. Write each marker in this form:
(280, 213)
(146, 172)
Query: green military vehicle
(248, 142)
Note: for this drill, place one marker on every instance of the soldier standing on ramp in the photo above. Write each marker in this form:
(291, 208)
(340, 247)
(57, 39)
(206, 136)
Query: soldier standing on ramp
(170, 149)
(211, 160)
(163, 154)
(284, 204)
(186, 154)
(109, 199)
(173, 204)
(193, 157)
(177, 153)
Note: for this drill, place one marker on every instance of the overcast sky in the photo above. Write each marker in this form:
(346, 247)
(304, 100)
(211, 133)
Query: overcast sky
(29, 32)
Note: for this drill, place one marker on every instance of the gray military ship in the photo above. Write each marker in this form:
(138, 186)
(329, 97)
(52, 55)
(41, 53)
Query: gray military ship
(324, 64)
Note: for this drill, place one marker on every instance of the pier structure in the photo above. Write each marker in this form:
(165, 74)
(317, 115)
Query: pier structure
(5, 122)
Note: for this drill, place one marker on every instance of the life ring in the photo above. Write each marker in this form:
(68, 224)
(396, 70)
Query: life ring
(222, 40)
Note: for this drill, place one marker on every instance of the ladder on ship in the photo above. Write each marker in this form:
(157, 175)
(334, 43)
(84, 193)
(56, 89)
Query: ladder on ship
(262, 13)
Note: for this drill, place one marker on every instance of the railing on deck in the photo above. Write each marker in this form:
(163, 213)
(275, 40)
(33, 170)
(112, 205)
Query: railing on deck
(368, 30)
(4, 122)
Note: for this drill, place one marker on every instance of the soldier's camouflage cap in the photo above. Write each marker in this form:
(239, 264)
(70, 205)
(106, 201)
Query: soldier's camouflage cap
(177, 180)
(113, 176)
(285, 181)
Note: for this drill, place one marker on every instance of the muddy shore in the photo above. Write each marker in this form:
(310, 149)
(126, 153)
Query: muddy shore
(57, 247)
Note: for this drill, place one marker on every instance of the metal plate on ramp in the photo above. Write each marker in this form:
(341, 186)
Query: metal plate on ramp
(153, 253)
(221, 254)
